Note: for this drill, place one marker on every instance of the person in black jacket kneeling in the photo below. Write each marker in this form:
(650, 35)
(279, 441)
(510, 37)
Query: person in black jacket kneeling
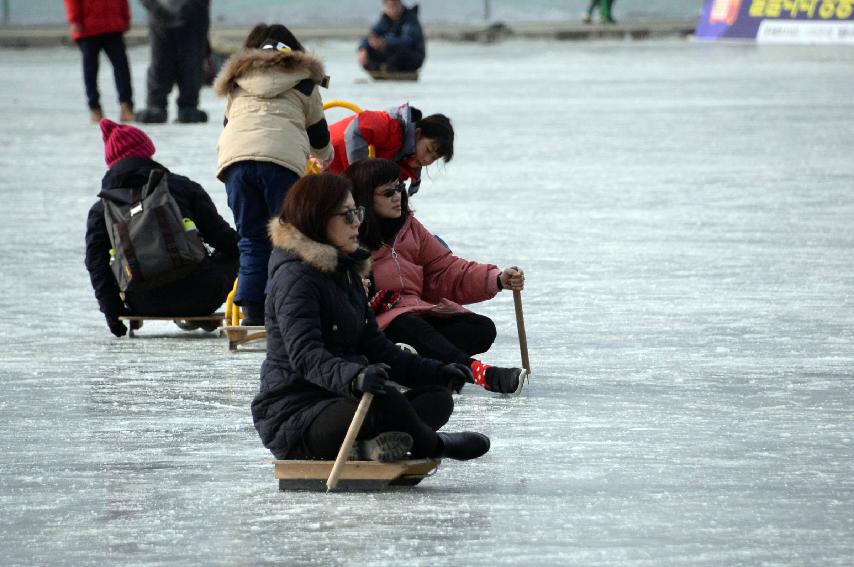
(128, 152)
(324, 349)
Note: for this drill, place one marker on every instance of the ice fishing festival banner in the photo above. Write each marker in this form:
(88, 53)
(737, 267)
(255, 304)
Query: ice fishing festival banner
(778, 21)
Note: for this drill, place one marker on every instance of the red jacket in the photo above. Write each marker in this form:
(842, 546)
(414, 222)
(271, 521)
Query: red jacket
(391, 133)
(97, 17)
(428, 276)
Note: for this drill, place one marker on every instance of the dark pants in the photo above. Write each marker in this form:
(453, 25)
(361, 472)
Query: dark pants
(403, 59)
(604, 8)
(177, 57)
(200, 293)
(419, 412)
(255, 191)
(451, 339)
(113, 44)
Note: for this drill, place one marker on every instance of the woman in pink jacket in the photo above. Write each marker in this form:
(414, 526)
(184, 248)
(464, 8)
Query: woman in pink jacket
(418, 286)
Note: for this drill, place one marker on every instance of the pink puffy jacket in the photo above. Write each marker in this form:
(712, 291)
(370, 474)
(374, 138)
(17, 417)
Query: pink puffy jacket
(428, 276)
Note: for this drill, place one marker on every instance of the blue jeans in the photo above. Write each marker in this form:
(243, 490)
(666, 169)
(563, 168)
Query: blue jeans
(255, 191)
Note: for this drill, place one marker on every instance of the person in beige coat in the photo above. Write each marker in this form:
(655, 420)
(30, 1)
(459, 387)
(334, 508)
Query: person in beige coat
(273, 123)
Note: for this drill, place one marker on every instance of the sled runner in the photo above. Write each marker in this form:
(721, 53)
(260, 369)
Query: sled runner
(355, 475)
(242, 334)
(393, 75)
(214, 320)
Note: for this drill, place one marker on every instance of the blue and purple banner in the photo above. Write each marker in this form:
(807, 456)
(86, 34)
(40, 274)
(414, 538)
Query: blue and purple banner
(780, 21)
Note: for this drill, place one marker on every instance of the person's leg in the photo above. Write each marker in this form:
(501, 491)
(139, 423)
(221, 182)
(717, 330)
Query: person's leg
(404, 59)
(605, 11)
(90, 48)
(161, 75)
(432, 404)
(191, 47)
(375, 59)
(245, 198)
(114, 47)
(417, 332)
(275, 182)
(469, 332)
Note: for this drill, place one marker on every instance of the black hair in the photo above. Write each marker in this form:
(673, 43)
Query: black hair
(366, 175)
(438, 127)
(263, 34)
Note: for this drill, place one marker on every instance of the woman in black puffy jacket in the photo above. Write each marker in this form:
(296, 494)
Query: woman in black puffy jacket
(324, 349)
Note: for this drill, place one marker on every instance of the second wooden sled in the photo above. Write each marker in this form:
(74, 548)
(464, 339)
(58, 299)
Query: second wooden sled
(214, 318)
(355, 475)
(393, 75)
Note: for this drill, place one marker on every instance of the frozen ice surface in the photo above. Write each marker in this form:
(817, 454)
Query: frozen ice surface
(684, 215)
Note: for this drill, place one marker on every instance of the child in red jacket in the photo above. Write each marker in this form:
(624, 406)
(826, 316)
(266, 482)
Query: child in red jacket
(99, 25)
(400, 135)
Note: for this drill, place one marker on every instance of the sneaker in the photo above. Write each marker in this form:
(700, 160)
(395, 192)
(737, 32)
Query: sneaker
(96, 115)
(406, 347)
(126, 112)
(505, 380)
(385, 447)
(191, 116)
(151, 115)
(463, 446)
(587, 19)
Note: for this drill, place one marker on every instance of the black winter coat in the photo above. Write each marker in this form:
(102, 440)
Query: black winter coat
(320, 334)
(194, 203)
(406, 32)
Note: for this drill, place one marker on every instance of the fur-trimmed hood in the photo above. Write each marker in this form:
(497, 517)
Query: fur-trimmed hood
(324, 257)
(267, 72)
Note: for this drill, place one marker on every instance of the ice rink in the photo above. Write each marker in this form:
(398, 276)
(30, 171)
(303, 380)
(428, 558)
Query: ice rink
(684, 213)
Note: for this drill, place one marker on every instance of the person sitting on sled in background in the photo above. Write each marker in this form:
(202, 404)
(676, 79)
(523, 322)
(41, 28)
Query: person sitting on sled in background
(128, 153)
(399, 134)
(396, 42)
(418, 285)
(324, 349)
(274, 119)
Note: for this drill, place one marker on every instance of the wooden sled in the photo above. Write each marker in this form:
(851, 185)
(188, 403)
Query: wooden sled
(215, 318)
(393, 75)
(355, 475)
(240, 334)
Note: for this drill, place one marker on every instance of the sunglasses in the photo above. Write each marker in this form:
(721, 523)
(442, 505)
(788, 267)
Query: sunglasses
(389, 193)
(350, 215)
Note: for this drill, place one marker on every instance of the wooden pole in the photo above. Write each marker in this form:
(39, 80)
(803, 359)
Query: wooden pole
(349, 439)
(520, 328)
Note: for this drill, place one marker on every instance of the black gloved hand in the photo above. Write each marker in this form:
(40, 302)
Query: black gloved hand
(455, 375)
(116, 327)
(371, 380)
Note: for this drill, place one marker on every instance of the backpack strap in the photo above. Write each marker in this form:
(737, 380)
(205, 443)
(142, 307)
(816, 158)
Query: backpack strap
(154, 179)
(127, 247)
(168, 237)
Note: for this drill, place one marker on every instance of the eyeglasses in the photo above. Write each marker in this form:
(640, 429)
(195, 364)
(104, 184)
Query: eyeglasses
(350, 215)
(389, 193)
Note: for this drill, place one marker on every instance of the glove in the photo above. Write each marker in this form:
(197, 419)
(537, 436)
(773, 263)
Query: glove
(116, 327)
(371, 380)
(455, 375)
(383, 300)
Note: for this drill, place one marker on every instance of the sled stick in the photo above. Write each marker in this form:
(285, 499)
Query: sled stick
(349, 439)
(520, 328)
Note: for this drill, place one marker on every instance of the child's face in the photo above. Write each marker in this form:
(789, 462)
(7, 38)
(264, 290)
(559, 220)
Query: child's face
(426, 150)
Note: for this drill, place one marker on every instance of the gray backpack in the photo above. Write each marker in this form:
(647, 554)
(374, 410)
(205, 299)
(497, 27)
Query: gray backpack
(152, 243)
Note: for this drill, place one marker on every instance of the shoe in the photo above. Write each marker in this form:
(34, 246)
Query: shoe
(609, 21)
(253, 315)
(151, 115)
(505, 380)
(463, 446)
(191, 116)
(96, 115)
(126, 112)
(136, 324)
(587, 19)
(186, 325)
(406, 347)
(386, 447)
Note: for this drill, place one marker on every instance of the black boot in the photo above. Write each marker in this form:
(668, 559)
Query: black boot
(191, 115)
(254, 315)
(462, 446)
(386, 447)
(505, 380)
(153, 115)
